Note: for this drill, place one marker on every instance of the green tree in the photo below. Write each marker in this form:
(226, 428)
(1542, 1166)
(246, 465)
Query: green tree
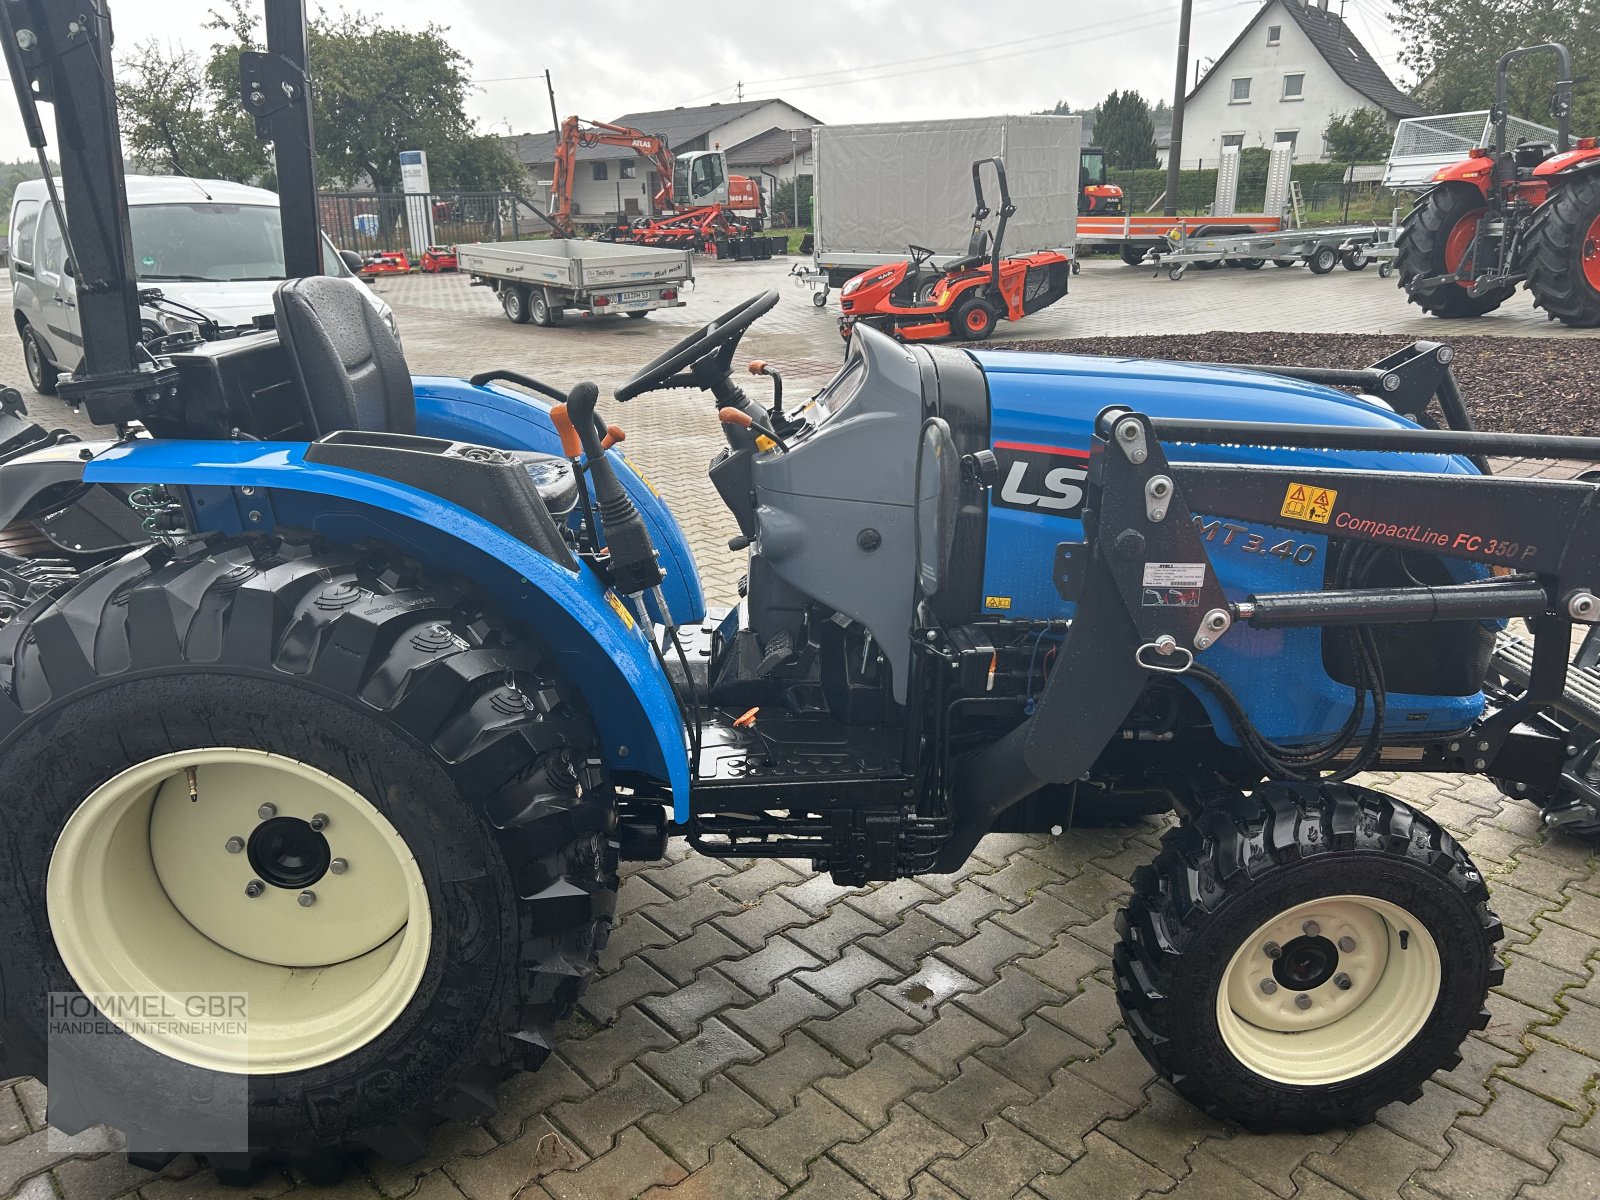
(1452, 46)
(1125, 131)
(375, 92)
(783, 204)
(1360, 135)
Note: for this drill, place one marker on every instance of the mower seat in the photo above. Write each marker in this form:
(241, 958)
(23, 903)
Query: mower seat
(977, 254)
(346, 360)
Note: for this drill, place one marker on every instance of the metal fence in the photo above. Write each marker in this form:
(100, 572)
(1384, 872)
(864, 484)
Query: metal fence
(367, 222)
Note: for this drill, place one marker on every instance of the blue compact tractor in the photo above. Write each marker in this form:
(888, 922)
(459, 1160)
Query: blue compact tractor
(331, 697)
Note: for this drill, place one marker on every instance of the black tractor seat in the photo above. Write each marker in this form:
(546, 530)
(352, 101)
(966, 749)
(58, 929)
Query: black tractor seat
(358, 395)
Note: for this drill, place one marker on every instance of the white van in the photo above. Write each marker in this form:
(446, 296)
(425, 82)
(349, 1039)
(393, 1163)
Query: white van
(208, 244)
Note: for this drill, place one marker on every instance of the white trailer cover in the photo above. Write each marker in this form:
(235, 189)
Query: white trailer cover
(882, 187)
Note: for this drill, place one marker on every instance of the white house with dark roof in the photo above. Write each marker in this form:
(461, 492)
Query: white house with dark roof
(614, 180)
(1292, 68)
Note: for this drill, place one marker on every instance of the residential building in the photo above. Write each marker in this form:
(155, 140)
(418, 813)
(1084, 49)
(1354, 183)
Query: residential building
(1292, 68)
(613, 180)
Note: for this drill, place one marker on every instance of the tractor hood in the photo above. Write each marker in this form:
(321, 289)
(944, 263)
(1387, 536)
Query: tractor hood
(1051, 400)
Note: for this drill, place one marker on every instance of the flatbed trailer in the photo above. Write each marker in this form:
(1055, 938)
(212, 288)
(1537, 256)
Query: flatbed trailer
(1136, 234)
(1321, 249)
(537, 282)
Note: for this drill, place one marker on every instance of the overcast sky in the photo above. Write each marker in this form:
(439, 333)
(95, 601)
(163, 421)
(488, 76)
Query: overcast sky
(840, 60)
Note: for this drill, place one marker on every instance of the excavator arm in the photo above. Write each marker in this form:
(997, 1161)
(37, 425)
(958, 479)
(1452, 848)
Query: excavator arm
(579, 133)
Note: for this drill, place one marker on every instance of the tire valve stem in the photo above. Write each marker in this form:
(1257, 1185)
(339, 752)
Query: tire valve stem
(194, 785)
(1405, 939)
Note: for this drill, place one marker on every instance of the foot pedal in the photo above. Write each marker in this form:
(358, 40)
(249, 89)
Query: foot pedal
(1513, 658)
(779, 650)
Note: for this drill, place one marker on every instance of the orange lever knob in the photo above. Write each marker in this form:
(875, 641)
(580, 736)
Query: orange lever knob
(757, 366)
(734, 416)
(614, 435)
(570, 442)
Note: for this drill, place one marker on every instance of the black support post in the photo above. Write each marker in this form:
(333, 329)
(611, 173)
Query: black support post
(289, 125)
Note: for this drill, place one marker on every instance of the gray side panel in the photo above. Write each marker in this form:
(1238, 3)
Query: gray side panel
(857, 472)
(880, 187)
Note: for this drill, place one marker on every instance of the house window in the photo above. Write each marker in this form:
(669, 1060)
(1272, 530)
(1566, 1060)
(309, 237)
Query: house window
(629, 171)
(1241, 91)
(599, 170)
(805, 158)
(1287, 135)
(1233, 140)
(1294, 87)
(1273, 33)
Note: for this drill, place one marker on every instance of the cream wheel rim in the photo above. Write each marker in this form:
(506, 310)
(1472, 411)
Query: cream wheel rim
(1329, 990)
(239, 872)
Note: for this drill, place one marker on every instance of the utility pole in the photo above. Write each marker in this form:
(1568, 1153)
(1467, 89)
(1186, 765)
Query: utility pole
(555, 121)
(739, 90)
(1175, 144)
(794, 174)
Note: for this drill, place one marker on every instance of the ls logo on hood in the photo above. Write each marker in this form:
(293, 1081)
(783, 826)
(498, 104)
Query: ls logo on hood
(1041, 479)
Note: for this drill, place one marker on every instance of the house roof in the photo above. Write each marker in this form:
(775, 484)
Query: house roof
(769, 148)
(1341, 50)
(678, 125)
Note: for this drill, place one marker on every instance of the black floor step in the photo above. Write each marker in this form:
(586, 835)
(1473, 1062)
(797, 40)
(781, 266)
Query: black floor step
(1513, 658)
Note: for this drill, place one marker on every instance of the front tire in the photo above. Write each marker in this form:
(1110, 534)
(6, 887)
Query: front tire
(1302, 958)
(1564, 253)
(1436, 239)
(452, 770)
(42, 373)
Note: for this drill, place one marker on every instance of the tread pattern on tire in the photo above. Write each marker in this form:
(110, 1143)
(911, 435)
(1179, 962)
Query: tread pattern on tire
(1554, 245)
(369, 627)
(1230, 848)
(1419, 253)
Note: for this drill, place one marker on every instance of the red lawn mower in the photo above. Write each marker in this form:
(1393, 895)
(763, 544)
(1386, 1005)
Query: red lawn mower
(917, 301)
(439, 258)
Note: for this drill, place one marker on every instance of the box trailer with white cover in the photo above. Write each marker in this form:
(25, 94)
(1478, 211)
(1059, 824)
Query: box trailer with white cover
(882, 187)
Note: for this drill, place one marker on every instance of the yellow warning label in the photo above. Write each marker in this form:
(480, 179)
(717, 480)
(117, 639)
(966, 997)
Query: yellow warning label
(997, 601)
(620, 608)
(643, 478)
(1306, 503)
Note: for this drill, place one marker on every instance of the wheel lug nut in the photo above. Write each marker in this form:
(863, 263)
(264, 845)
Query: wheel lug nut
(1272, 950)
(1347, 944)
(1342, 981)
(254, 888)
(1311, 929)
(307, 898)
(267, 811)
(319, 821)
(338, 866)
(233, 845)
(1268, 986)
(1302, 1001)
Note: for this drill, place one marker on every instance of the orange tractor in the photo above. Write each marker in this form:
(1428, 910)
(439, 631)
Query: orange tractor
(1502, 217)
(917, 301)
(696, 199)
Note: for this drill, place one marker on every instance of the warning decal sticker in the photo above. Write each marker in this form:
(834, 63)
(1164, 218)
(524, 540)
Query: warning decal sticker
(1173, 585)
(1304, 502)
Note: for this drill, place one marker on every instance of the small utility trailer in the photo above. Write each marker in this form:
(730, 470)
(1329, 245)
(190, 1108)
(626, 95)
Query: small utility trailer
(1322, 249)
(537, 282)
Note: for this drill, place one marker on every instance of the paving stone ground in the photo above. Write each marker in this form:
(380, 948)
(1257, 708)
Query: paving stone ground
(759, 1032)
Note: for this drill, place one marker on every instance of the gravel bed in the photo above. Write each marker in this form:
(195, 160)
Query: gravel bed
(1514, 385)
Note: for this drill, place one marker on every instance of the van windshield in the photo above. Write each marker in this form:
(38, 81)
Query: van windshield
(213, 243)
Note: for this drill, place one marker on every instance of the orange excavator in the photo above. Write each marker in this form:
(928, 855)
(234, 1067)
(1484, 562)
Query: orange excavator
(696, 200)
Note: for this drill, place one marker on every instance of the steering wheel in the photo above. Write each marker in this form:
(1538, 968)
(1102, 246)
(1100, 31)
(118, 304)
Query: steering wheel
(920, 254)
(704, 359)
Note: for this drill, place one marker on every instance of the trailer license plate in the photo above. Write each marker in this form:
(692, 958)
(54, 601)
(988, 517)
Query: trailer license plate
(625, 297)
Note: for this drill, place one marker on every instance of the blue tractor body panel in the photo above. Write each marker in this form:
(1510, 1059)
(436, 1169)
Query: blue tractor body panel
(589, 630)
(1042, 410)
(500, 416)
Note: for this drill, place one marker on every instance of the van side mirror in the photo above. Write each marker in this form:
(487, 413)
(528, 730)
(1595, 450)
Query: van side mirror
(69, 269)
(352, 260)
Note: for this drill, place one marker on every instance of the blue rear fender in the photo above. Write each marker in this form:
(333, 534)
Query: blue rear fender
(1046, 404)
(511, 420)
(595, 640)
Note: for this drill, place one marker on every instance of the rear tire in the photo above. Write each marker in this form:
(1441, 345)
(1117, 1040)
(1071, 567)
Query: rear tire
(539, 308)
(1132, 254)
(1355, 258)
(1564, 253)
(1303, 957)
(1325, 259)
(514, 299)
(41, 372)
(1431, 236)
(346, 665)
(1286, 263)
(639, 314)
(973, 319)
